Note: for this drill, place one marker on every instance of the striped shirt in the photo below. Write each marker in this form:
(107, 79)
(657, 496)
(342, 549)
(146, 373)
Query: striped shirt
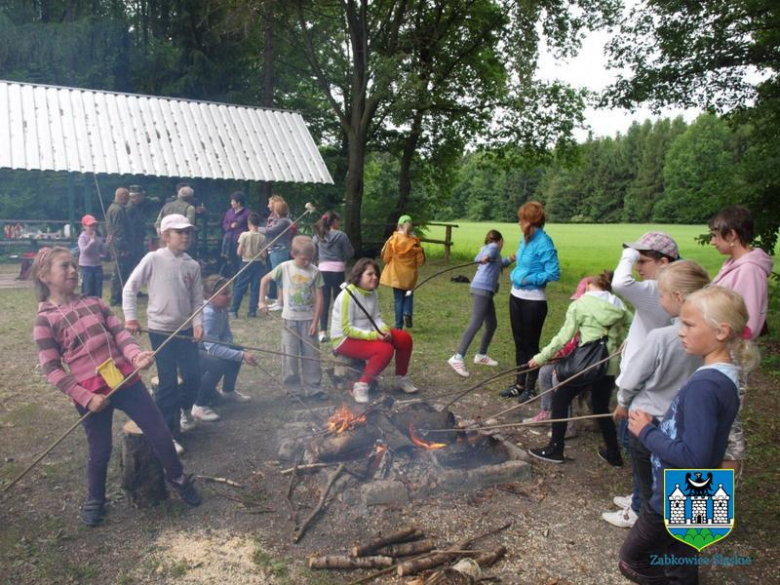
(81, 334)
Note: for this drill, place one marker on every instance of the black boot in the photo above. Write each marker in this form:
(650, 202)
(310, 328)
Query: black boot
(408, 321)
(612, 457)
(552, 453)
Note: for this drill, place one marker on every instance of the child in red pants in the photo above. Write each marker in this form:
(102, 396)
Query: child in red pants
(357, 331)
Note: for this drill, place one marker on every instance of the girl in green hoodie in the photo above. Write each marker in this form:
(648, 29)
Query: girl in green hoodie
(598, 313)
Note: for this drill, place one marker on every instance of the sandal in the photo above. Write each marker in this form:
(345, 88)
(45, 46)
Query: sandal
(93, 512)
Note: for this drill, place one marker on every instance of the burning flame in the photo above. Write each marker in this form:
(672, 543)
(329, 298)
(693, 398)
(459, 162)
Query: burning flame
(422, 443)
(344, 420)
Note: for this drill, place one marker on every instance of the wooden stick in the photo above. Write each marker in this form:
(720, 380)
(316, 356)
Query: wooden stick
(403, 535)
(344, 562)
(229, 482)
(416, 565)
(306, 467)
(518, 424)
(489, 559)
(302, 530)
(407, 549)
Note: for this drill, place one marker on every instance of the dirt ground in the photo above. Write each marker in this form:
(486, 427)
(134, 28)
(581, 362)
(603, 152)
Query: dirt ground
(556, 536)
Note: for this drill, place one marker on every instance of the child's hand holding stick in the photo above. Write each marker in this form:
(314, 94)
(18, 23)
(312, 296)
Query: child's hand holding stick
(97, 403)
(638, 420)
(133, 327)
(144, 360)
(249, 359)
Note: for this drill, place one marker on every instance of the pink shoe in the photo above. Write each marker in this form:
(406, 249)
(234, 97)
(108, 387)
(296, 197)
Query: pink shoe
(540, 416)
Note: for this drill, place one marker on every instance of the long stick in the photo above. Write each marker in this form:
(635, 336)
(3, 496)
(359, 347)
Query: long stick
(123, 383)
(362, 308)
(554, 388)
(302, 530)
(432, 276)
(490, 379)
(518, 424)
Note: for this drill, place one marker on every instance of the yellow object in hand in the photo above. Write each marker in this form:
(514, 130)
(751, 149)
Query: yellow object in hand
(110, 373)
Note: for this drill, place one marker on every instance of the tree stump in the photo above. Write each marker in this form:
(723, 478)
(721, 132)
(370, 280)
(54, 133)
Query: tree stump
(142, 474)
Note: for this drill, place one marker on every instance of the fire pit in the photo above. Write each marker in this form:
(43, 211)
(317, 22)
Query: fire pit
(395, 451)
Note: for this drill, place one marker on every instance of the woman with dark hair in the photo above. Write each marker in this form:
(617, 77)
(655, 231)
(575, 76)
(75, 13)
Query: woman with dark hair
(747, 269)
(537, 264)
(332, 249)
(234, 223)
(357, 331)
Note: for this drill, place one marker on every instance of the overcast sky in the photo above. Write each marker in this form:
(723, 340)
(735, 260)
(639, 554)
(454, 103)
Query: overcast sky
(589, 70)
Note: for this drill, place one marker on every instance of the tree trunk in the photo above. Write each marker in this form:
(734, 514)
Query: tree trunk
(354, 190)
(269, 55)
(405, 173)
(142, 474)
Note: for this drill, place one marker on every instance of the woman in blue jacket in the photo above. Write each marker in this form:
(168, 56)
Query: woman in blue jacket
(537, 264)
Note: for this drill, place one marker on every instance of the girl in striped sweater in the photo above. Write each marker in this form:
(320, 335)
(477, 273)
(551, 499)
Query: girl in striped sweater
(84, 335)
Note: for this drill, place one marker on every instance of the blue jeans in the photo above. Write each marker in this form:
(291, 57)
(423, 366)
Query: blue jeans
(276, 257)
(403, 306)
(623, 438)
(91, 281)
(180, 355)
(215, 369)
(249, 278)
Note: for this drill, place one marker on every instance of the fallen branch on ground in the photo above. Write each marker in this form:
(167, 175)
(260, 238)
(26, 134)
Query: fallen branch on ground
(403, 535)
(344, 562)
(302, 530)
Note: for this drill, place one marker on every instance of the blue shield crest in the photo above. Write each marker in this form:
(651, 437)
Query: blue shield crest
(699, 505)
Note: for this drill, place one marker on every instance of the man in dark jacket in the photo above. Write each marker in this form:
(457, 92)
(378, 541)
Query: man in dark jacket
(119, 233)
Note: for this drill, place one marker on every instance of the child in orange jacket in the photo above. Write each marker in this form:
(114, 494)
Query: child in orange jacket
(402, 255)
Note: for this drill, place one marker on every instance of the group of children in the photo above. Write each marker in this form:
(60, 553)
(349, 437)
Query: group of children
(685, 350)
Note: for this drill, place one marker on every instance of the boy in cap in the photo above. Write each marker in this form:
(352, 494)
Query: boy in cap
(648, 255)
(175, 292)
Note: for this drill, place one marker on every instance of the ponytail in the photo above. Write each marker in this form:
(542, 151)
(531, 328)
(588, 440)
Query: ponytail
(322, 226)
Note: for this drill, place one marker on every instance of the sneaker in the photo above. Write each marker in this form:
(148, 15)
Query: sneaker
(251, 315)
(540, 416)
(511, 392)
(614, 459)
(187, 490)
(483, 359)
(624, 518)
(178, 447)
(93, 512)
(204, 413)
(526, 395)
(623, 501)
(187, 422)
(552, 453)
(323, 337)
(405, 384)
(408, 321)
(234, 314)
(360, 392)
(459, 367)
(276, 307)
(235, 396)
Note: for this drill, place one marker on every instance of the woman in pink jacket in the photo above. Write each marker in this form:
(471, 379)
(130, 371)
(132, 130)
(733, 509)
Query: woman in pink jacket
(747, 269)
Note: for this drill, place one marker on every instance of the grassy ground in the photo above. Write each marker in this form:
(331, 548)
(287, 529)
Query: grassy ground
(551, 541)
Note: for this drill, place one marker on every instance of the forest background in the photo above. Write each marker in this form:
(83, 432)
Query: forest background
(432, 107)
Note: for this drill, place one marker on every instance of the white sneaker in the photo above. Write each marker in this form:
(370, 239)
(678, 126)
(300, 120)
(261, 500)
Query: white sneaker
(186, 422)
(360, 392)
(483, 359)
(235, 396)
(624, 518)
(276, 307)
(623, 501)
(459, 367)
(405, 384)
(178, 447)
(323, 337)
(204, 413)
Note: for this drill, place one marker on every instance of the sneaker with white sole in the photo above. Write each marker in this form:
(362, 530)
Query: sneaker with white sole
(323, 337)
(204, 413)
(405, 384)
(360, 392)
(186, 422)
(276, 307)
(623, 501)
(624, 518)
(483, 359)
(235, 396)
(540, 416)
(178, 447)
(458, 365)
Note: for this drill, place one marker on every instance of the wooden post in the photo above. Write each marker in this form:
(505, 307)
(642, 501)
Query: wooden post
(142, 474)
(448, 239)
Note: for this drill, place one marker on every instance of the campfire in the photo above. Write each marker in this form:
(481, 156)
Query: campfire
(344, 420)
(428, 446)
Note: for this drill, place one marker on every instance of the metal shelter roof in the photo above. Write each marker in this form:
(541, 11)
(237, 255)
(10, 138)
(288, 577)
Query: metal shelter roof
(52, 128)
